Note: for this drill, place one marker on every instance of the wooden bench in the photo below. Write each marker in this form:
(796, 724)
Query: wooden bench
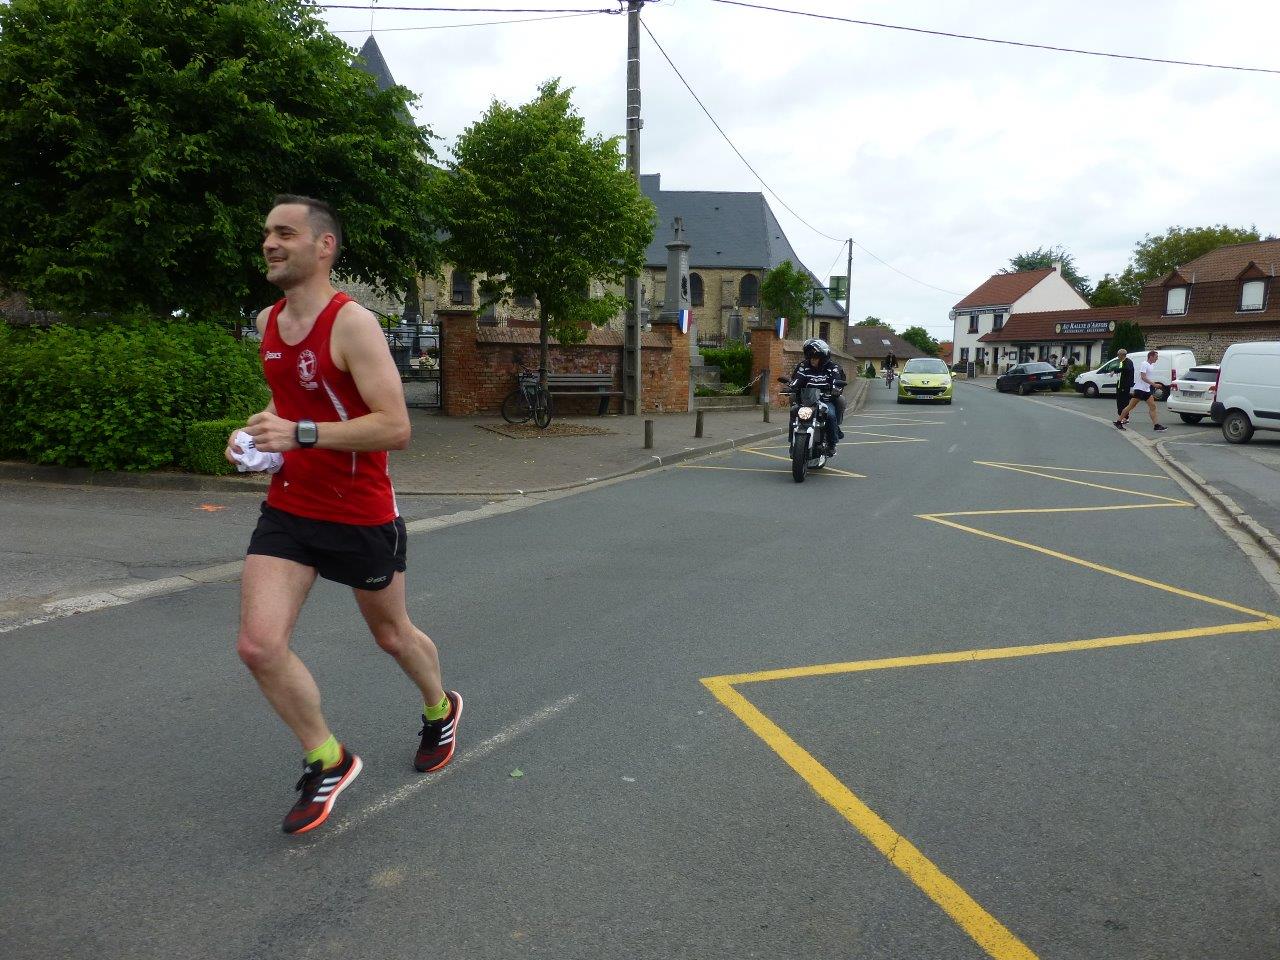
(584, 385)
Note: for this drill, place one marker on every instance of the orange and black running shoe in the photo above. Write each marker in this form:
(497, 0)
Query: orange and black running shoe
(439, 737)
(319, 789)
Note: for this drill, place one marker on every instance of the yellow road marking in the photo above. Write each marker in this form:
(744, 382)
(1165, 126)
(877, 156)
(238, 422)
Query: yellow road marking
(1089, 564)
(701, 466)
(1082, 483)
(1040, 466)
(774, 456)
(1000, 513)
(1266, 623)
(985, 929)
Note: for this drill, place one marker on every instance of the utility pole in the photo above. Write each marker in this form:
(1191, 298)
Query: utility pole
(631, 369)
(848, 286)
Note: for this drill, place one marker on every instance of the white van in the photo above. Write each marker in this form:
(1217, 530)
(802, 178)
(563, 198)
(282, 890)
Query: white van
(1170, 364)
(1248, 395)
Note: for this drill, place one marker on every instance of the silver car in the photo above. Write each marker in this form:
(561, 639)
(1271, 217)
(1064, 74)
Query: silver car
(1193, 393)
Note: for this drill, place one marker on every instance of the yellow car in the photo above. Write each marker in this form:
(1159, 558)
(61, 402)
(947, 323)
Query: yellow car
(924, 378)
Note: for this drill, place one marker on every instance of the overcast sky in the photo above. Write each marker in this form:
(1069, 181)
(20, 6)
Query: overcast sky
(943, 157)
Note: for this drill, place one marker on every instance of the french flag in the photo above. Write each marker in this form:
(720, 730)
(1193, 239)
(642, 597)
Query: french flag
(781, 328)
(684, 319)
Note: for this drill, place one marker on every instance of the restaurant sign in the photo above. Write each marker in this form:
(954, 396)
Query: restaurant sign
(1085, 326)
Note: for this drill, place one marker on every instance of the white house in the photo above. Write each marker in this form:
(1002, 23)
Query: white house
(1002, 296)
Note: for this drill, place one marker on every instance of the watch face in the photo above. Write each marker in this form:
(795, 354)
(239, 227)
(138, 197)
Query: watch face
(307, 432)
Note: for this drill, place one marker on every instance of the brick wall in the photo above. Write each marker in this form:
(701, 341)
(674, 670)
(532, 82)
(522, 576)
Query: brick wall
(480, 363)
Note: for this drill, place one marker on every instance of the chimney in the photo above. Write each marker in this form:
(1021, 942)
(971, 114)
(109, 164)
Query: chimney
(1057, 266)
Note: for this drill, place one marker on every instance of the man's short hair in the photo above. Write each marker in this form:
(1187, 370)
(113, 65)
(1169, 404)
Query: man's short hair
(1122, 352)
(322, 216)
(1153, 353)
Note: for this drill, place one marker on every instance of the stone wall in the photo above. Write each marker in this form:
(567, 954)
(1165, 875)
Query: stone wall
(1208, 343)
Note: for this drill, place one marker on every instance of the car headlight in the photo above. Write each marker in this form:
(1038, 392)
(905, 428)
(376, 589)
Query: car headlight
(805, 413)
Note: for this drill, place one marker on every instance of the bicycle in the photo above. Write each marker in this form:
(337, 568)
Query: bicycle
(528, 399)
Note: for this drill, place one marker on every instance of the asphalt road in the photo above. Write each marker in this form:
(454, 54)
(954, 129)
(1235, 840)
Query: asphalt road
(1046, 734)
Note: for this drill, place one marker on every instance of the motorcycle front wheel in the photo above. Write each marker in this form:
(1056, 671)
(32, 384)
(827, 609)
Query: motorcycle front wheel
(799, 457)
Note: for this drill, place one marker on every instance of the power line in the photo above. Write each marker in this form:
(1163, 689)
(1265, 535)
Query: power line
(1007, 43)
(773, 192)
(365, 6)
(478, 23)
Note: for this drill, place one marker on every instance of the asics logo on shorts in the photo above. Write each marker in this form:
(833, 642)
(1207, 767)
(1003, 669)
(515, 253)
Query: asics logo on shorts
(376, 579)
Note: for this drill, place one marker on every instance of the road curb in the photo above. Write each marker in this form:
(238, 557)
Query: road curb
(83, 476)
(1265, 539)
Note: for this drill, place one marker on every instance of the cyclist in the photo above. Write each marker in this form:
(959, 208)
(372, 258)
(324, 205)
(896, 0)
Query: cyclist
(817, 369)
(889, 367)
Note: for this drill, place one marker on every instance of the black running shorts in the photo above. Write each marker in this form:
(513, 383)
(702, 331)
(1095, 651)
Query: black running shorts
(362, 557)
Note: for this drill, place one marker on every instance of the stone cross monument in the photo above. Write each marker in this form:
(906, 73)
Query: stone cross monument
(677, 297)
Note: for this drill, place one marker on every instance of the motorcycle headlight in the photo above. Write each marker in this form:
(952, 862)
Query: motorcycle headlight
(805, 413)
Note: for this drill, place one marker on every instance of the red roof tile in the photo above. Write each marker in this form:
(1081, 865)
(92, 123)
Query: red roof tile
(1042, 325)
(1003, 289)
(1225, 263)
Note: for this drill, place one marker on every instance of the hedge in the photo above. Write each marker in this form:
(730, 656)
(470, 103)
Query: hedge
(206, 443)
(121, 395)
(734, 362)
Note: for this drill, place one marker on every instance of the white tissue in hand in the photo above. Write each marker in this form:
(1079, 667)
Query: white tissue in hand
(253, 460)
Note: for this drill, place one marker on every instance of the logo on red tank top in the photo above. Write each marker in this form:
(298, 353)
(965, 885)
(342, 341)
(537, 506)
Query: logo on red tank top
(307, 370)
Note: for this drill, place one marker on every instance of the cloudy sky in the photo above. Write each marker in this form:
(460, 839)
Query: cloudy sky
(942, 157)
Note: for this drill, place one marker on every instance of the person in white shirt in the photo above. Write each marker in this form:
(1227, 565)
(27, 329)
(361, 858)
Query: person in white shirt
(1144, 385)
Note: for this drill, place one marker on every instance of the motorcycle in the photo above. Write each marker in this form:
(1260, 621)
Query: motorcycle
(807, 437)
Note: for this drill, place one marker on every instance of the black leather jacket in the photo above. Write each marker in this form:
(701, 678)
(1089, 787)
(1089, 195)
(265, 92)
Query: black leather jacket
(829, 378)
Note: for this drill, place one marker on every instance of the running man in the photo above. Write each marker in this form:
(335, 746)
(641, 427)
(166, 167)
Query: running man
(337, 407)
(1144, 386)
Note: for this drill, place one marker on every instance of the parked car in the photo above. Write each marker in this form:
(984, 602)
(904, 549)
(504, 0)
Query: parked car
(1168, 364)
(1193, 392)
(1248, 390)
(1029, 377)
(924, 378)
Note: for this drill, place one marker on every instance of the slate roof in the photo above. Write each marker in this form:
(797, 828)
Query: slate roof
(1038, 326)
(725, 230)
(873, 344)
(372, 62)
(1003, 289)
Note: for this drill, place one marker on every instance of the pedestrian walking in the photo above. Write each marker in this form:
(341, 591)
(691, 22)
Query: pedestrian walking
(1144, 386)
(337, 406)
(1124, 385)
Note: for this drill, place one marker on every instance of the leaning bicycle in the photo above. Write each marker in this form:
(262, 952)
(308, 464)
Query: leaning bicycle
(529, 400)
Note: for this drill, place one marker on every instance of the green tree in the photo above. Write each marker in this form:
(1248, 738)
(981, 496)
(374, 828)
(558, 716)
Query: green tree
(1126, 336)
(1042, 257)
(789, 292)
(1109, 293)
(919, 337)
(872, 322)
(543, 210)
(141, 143)
(1154, 257)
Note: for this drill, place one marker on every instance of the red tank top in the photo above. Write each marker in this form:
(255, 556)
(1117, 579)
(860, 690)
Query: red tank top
(337, 485)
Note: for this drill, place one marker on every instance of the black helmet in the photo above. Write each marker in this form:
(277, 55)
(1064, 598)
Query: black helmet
(816, 348)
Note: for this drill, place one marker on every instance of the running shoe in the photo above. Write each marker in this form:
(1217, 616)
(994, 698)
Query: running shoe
(319, 789)
(1161, 426)
(439, 737)
(1119, 424)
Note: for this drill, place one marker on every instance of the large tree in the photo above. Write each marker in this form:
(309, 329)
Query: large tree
(790, 292)
(1155, 256)
(872, 322)
(141, 143)
(1126, 336)
(919, 337)
(1043, 257)
(543, 210)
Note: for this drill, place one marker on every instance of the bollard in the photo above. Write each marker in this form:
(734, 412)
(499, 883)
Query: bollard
(766, 413)
(648, 434)
(697, 427)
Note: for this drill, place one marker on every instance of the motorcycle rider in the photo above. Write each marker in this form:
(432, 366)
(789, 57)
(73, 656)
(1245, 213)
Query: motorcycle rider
(817, 369)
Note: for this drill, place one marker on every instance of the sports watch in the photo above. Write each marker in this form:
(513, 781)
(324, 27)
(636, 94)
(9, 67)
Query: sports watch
(306, 433)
